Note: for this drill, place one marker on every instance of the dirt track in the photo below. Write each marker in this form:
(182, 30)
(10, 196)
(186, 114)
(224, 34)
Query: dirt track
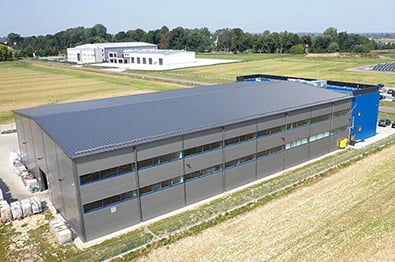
(349, 216)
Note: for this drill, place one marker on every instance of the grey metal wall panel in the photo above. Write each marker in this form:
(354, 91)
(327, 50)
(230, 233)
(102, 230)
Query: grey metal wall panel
(320, 127)
(160, 173)
(54, 182)
(199, 162)
(102, 161)
(341, 121)
(345, 104)
(159, 148)
(240, 150)
(297, 134)
(240, 175)
(39, 151)
(108, 187)
(162, 202)
(240, 129)
(111, 219)
(271, 141)
(203, 188)
(271, 121)
(321, 110)
(202, 138)
(270, 165)
(29, 145)
(319, 148)
(297, 115)
(20, 133)
(69, 185)
(334, 145)
(296, 155)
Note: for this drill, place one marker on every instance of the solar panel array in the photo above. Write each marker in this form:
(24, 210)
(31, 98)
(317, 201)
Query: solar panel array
(385, 67)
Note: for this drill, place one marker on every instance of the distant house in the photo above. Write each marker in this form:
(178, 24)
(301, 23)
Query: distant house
(3, 41)
(99, 52)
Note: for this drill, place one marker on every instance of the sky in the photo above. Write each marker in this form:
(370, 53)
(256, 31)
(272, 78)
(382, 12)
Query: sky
(41, 17)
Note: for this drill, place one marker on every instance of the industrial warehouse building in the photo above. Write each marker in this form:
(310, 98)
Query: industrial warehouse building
(113, 163)
(100, 52)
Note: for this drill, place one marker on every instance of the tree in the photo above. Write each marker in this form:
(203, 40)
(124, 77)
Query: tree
(297, 49)
(5, 53)
(333, 47)
(332, 33)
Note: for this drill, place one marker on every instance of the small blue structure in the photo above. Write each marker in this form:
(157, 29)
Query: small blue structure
(365, 105)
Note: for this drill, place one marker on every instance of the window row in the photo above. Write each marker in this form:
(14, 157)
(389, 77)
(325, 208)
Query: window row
(159, 160)
(339, 130)
(239, 161)
(240, 139)
(203, 172)
(341, 113)
(319, 136)
(297, 143)
(201, 149)
(298, 124)
(104, 174)
(109, 201)
(271, 131)
(161, 185)
(270, 151)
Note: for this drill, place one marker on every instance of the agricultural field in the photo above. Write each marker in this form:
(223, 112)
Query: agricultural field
(27, 85)
(348, 216)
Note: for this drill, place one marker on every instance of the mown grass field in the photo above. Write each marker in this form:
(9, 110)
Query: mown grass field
(27, 85)
(330, 68)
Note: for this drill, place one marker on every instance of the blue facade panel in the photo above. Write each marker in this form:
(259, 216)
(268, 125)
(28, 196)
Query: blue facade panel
(365, 110)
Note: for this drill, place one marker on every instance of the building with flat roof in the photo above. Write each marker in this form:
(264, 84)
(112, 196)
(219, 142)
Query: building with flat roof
(99, 52)
(113, 163)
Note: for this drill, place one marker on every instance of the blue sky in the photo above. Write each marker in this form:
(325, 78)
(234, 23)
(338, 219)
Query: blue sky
(40, 17)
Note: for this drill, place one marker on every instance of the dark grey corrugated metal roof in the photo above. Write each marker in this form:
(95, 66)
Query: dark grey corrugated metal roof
(95, 126)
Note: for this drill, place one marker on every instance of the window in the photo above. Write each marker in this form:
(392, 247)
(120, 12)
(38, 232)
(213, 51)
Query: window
(240, 139)
(85, 179)
(160, 61)
(128, 195)
(270, 151)
(340, 130)
(146, 190)
(341, 113)
(92, 206)
(298, 124)
(109, 173)
(138, 60)
(177, 180)
(239, 161)
(204, 172)
(150, 61)
(126, 168)
(144, 163)
(321, 118)
(318, 136)
(271, 131)
(111, 200)
(132, 60)
(144, 60)
(202, 149)
(296, 143)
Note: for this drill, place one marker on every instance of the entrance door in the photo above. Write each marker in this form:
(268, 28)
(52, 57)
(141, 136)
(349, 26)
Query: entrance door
(43, 180)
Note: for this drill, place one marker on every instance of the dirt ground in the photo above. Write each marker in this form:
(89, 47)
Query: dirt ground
(348, 216)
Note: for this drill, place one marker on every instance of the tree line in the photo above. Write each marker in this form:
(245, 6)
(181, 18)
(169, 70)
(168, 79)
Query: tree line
(200, 40)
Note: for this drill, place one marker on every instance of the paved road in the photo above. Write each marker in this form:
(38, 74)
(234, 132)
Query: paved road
(113, 72)
(387, 109)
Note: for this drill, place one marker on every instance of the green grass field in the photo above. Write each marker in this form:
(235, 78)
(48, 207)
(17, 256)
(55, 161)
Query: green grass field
(329, 68)
(27, 85)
